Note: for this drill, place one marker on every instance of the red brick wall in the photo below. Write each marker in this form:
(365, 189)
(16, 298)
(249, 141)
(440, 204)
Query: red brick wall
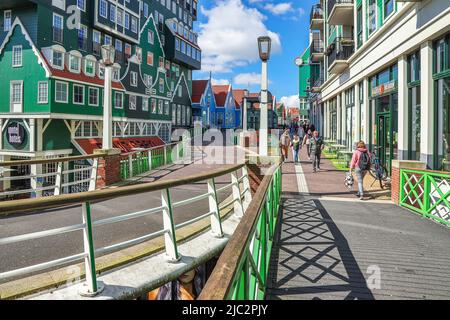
(395, 185)
(109, 171)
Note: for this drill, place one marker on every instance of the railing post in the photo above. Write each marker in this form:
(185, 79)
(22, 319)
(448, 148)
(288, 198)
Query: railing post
(170, 235)
(238, 207)
(426, 194)
(91, 287)
(130, 165)
(216, 223)
(58, 179)
(149, 160)
(248, 192)
(93, 182)
(165, 154)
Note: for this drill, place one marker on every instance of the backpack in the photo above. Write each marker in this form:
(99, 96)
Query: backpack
(364, 161)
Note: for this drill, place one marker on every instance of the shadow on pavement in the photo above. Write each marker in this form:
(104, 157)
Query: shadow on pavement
(311, 258)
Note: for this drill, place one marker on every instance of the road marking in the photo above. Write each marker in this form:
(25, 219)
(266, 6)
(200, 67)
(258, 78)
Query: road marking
(301, 181)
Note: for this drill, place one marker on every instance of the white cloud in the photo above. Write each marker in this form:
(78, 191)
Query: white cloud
(280, 8)
(291, 101)
(218, 82)
(247, 78)
(229, 37)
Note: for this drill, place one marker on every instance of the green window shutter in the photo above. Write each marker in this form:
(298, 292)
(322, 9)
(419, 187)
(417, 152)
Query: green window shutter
(358, 3)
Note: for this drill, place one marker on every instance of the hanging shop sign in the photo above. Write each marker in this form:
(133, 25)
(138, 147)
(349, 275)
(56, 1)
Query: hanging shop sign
(384, 88)
(16, 134)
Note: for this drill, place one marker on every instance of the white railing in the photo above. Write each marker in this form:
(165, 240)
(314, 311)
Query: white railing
(49, 176)
(239, 197)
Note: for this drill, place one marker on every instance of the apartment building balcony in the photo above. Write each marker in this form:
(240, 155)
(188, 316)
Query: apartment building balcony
(340, 12)
(317, 51)
(316, 83)
(316, 18)
(338, 54)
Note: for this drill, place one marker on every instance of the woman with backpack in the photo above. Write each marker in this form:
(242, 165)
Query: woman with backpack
(361, 164)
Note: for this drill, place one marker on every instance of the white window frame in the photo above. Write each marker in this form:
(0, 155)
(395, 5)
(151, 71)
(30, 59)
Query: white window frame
(59, 67)
(71, 56)
(15, 106)
(15, 63)
(7, 26)
(121, 100)
(105, 3)
(89, 96)
(144, 104)
(132, 97)
(83, 3)
(39, 92)
(133, 79)
(73, 94)
(90, 74)
(67, 92)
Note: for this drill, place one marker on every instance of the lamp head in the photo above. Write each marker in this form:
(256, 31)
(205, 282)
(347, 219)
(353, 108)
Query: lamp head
(264, 46)
(108, 55)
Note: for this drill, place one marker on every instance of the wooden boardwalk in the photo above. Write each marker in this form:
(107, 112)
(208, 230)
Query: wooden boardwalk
(343, 248)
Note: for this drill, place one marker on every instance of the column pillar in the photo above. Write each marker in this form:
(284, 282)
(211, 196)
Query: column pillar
(365, 122)
(358, 114)
(403, 109)
(343, 119)
(426, 103)
(338, 120)
(108, 171)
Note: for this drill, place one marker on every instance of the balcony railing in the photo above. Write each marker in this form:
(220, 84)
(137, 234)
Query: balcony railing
(58, 35)
(316, 12)
(333, 3)
(317, 46)
(341, 49)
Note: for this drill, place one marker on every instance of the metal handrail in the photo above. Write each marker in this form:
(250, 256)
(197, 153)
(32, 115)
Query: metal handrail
(316, 12)
(53, 160)
(252, 240)
(166, 209)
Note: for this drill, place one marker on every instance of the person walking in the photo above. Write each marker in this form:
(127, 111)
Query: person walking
(306, 141)
(315, 148)
(285, 141)
(361, 165)
(296, 146)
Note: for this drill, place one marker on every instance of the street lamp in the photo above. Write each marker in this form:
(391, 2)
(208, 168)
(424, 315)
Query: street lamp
(264, 46)
(108, 56)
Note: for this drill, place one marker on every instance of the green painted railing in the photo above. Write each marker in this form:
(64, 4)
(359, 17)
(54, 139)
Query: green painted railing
(242, 269)
(138, 162)
(426, 193)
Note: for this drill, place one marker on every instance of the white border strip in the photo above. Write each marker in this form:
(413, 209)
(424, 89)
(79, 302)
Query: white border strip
(301, 181)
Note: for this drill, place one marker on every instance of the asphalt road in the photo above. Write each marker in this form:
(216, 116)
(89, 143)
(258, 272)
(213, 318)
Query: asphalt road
(32, 252)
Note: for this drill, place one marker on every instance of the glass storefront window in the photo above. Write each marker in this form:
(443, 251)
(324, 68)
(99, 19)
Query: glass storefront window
(414, 122)
(362, 109)
(443, 123)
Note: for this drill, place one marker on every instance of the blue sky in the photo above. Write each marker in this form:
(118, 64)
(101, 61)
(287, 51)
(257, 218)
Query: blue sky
(228, 30)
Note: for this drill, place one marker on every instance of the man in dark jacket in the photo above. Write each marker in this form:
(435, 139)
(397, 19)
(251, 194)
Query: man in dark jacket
(315, 148)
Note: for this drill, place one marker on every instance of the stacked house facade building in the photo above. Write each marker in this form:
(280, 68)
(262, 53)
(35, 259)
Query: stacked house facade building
(382, 74)
(52, 76)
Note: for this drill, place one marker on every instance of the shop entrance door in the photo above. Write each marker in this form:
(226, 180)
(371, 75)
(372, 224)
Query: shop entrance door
(384, 140)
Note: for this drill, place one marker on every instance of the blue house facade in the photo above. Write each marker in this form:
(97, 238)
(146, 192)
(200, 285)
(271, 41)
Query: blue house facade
(226, 114)
(203, 102)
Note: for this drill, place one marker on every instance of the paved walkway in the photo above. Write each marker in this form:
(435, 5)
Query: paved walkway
(333, 246)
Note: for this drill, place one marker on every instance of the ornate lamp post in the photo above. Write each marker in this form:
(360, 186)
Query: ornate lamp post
(264, 46)
(108, 56)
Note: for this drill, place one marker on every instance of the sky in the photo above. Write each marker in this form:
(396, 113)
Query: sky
(228, 32)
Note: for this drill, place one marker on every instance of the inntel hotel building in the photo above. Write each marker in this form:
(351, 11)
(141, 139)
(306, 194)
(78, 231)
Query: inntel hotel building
(382, 74)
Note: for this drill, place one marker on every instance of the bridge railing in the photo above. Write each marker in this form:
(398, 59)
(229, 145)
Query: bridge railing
(427, 193)
(241, 272)
(240, 197)
(54, 176)
(140, 161)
